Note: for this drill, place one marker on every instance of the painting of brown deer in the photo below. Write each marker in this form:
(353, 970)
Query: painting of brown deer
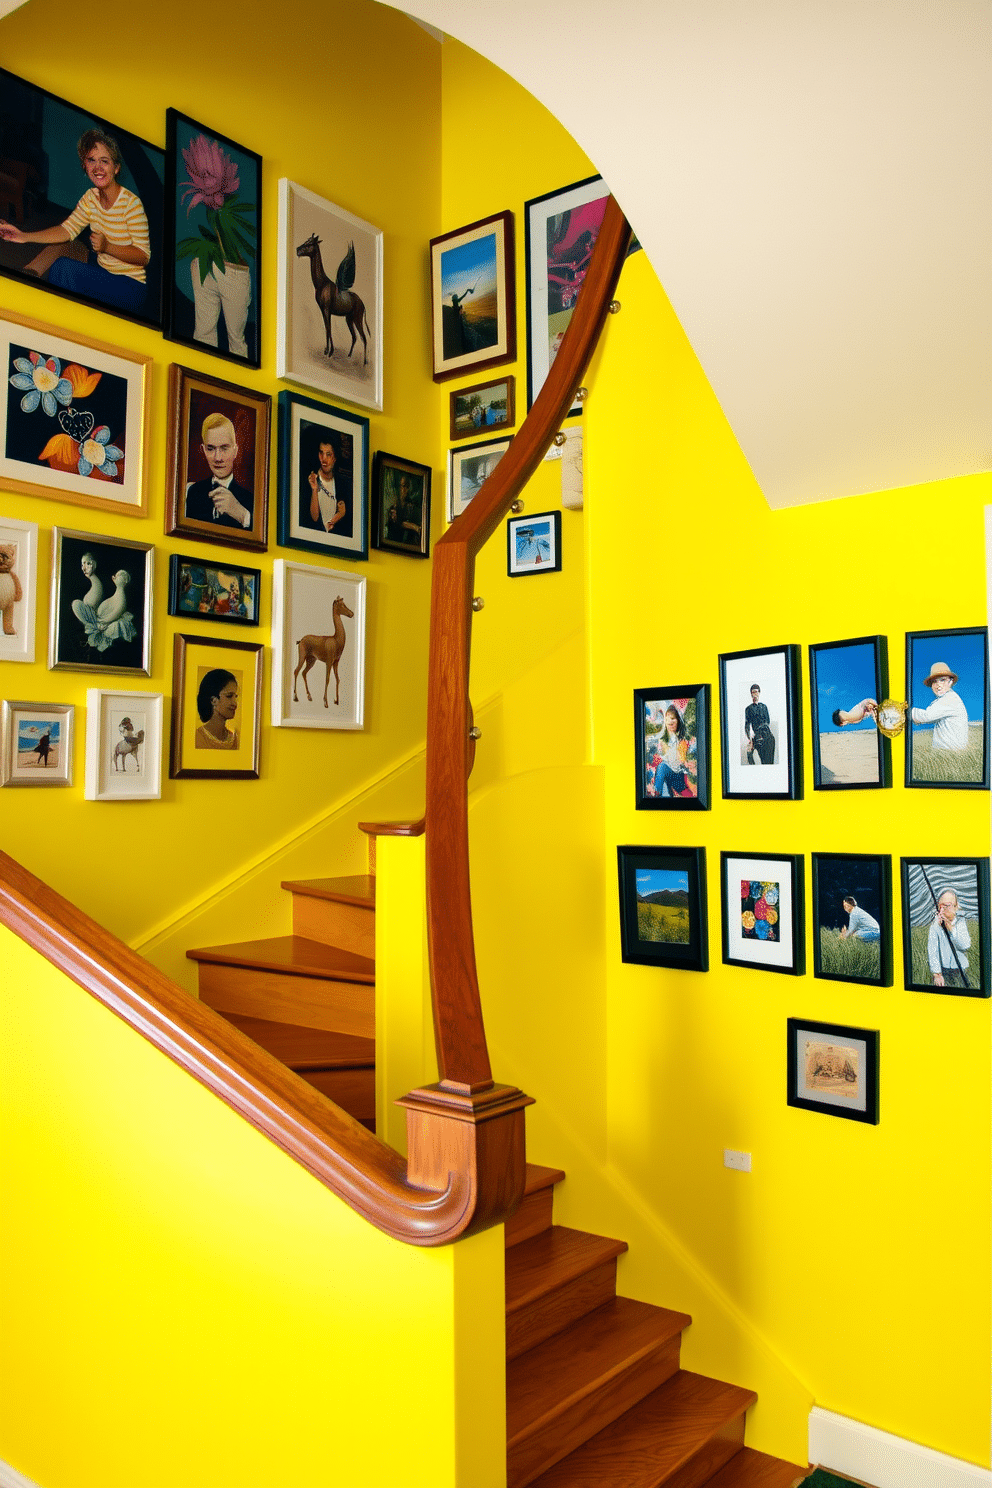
(327, 648)
(336, 296)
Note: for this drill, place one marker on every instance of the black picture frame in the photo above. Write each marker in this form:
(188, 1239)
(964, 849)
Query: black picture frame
(849, 752)
(924, 882)
(401, 533)
(100, 618)
(201, 589)
(305, 425)
(775, 899)
(191, 218)
(39, 132)
(560, 231)
(846, 947)
(964, 655)
(777, 772)
(679, 874)
(650, 708)
(533, 545)
(833, 1069)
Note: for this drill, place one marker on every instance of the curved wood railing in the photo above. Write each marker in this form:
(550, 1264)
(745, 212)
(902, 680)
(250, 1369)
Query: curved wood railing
(466, 1159)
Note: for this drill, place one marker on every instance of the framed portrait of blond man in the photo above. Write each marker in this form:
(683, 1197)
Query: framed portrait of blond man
(218, 483)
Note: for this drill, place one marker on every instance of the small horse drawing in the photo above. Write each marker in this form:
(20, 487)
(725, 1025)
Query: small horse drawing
(328, 648)
(336, 296)
(127, 745)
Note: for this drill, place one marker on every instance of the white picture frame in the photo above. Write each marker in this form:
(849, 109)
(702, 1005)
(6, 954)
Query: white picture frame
(123, 745)
(350, 372)
(319, 604)
(469, 466)
(19, 576)
(37, 743)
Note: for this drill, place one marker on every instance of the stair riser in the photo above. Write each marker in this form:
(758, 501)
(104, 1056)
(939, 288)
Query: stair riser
(536, 1321)
(312, 1002)
(533, 1216)
(554, 1437)
(713, 1455)
(352, 1090)
(348, 926)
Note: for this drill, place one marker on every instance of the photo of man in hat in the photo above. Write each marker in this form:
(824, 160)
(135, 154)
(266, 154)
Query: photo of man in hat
(947, 713)
(947, 723)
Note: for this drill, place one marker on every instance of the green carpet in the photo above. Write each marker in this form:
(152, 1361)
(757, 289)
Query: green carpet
(823, 1479)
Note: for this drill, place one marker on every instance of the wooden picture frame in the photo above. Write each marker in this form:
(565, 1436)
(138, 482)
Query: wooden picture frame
(663, 783)
(469, 467)
(18, 588)
(948, 957)
(100, 617)
(663, 907)
(218, 473)
(74, 426)
(763, 911)
(833, 1069)
(533, 544)
(947, 724)
(318, 630)
(760, 735)
(224, 744)
(401, 505)
(44, 730)
(223, 593)
(849, 751)
(213, 275)
(561, 228)
(852, 918)
(308, 432)
(483, 406)
(329, 292)
(123, 745)
(473, 297)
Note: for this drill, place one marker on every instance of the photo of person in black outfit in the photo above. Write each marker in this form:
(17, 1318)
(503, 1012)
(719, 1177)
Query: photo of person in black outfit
(758, 730)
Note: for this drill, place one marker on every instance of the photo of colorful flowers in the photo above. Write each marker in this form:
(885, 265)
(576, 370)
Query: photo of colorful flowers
(763, 911)
(759, 909)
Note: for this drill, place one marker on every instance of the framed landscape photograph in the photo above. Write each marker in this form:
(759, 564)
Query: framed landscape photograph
(468, 470)
(847, 682)
(329, 306)
(763, 911)
(833, 1069)
(123, 745)
(672, 748)
(101, 603)
(401, 505)
(483, 406)
(663, 907)
(323, 478)
(947, 726)
(18, 588)
(318, 647)
(216, 709)
(561, 231)
(37, 743)
(217, 488)
(945, 925)
(68, 173)
(533, 544)
(760, 724)
(473, 295)
(213, 200)
(226, 593)
(852, 918)
(74, 423)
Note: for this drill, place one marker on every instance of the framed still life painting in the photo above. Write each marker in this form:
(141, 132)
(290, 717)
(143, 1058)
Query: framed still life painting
(123, 745)
(473, 295)
(101, 603)
(672, 747)
(216, 709)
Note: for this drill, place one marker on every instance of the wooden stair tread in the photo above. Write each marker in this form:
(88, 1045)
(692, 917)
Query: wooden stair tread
(292, 955)
(542, 1382)
(751, 1469)
(648, 1445)
(307, 1048)
(538, 1178)
(555, 1256)
(355, 888)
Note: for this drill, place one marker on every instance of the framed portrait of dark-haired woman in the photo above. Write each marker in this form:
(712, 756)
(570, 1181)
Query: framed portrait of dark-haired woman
(672, 747)
(216, 709)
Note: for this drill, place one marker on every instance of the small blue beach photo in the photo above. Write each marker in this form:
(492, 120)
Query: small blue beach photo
(533, 544)
(848, 680)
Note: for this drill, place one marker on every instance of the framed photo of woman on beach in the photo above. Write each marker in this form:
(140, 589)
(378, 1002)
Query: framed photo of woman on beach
(947, 725)
(847, 682)
(672, 748)
(760, 717)
(37, 743)
(473, 294)
(852, 918)
(945, 925)
(216, 709)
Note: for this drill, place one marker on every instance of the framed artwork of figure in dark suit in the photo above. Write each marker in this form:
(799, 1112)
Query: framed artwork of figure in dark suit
(218, 487)
(323, 478)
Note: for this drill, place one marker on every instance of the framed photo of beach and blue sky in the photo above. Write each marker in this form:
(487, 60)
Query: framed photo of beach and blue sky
(846, 680)
(947, 726)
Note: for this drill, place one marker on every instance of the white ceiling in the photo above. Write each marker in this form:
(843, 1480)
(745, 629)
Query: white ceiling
(812, 181)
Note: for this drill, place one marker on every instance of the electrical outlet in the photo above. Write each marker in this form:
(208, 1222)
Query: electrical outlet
(739, 1160)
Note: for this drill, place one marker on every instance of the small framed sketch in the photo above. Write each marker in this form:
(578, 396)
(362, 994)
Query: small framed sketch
(945, 925)
(37, 743)
(216, 709)
(672, 748)
(833, 1069)
(468, 470)
(473, 295)
(852, 918)
(74, 423)
(533, 544)
(323, 478)
(847, 679)
(18, 588)
(329, 305)
(213, 202)
(663, 906)
(483, 406)
(227, 593)
(318, 647)
(101, 605)
(947, 732)
(217, 488)
(401, 505)
(123, 745)
(763, 918)
(561, 231)
(760, 724)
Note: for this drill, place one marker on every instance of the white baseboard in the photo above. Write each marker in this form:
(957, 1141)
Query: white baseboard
(11, 1478)
(846, 1446)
